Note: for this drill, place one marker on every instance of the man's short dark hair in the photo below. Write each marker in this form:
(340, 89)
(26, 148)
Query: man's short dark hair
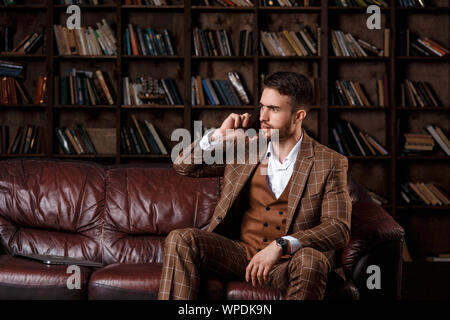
(294, 85)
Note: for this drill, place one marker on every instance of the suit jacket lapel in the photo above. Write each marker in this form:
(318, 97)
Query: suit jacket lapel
(302, 167)
(243, 173)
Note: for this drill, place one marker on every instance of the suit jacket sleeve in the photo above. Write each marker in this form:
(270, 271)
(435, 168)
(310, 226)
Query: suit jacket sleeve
(333, 232)
(190, 162)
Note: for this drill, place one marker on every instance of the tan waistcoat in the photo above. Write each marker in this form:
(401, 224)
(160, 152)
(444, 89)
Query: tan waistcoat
(265, 218)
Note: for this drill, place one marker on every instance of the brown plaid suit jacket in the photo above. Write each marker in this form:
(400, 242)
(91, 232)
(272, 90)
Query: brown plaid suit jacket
(319, 205)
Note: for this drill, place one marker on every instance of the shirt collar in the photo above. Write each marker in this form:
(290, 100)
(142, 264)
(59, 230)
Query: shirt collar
(291, 157)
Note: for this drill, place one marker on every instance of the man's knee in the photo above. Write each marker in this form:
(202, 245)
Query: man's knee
(180, 237)
(309, 258)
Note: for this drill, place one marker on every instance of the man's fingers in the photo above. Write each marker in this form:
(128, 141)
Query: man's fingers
(266, 275)
(248, 271)
(245, 119)
(237, 121)
(254, 276)
(260, 276)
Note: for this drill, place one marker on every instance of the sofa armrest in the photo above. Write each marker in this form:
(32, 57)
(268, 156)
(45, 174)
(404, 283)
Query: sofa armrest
(376, 239)
(388, 258)
(371, 226)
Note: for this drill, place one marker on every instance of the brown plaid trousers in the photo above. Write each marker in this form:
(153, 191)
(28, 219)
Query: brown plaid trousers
(318, 215)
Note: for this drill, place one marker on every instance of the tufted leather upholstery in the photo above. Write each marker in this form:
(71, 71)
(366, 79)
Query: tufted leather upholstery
(120, 215)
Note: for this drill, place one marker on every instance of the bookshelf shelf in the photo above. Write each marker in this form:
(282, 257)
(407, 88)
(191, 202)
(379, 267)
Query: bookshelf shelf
(369, 158)
(371, 108)
(23, 7)
(26, 155)
(337, 10)
(221, 9)
(370, 58)
(432, 10)
(84, 107)
(152, 106)
(84, 156)
(424, 109)
(222, 58)
(417, 157)
(425, 208)
(87, 7)
(81, 57)
(140, 57)
(145, 156)
(420, 58)
(23, 56)
(289, 58)
(153, 8)
(24, 106)
(289, 9)
(223, 107)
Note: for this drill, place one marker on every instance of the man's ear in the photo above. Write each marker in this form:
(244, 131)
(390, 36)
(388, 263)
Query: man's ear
(300, 115)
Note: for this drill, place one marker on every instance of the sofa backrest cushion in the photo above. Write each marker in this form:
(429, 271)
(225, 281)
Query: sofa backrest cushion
(52, 207)
(144, 204)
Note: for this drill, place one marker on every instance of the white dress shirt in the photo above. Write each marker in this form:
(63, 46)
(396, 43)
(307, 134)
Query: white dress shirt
(278, 174)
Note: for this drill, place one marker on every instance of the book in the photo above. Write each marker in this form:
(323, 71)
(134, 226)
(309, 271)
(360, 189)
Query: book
(155, 135)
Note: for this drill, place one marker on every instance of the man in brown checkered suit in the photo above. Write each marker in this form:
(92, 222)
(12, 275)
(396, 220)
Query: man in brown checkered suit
(280, 220)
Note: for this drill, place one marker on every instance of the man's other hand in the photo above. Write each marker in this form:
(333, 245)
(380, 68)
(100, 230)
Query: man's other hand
(258, 269)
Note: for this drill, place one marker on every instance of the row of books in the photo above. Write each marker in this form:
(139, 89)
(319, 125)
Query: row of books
(28, 45)
(377, 198)
(138, 42)
(346, 45)
(413, 3)
(440, 257)
(141, 137)
(11, 69)
(146, 2)
(439, 136)
(147, 90)
(211, 42)
(12, 91)
(290, 43)
(421, 193)
(351, 93)
(86, 40)
(246, 43)
(350, 141)
(290, 3)
(219, 92)
(411, 44)
(24, 140)
(75, 140)
(417, 142)
(418, 94)
(360, 3)
(422, 142)
(81, 87)
(227, 3)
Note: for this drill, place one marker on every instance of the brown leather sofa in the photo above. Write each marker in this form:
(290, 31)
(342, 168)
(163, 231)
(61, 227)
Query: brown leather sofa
(119, 215)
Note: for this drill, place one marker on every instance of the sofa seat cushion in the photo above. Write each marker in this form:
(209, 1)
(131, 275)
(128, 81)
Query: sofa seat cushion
(241, 290)
(126, 281)
(140, 281)
(337, 288)
(21, 278)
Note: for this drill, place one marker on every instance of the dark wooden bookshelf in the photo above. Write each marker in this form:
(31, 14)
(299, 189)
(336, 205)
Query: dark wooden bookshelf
(381, 174)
